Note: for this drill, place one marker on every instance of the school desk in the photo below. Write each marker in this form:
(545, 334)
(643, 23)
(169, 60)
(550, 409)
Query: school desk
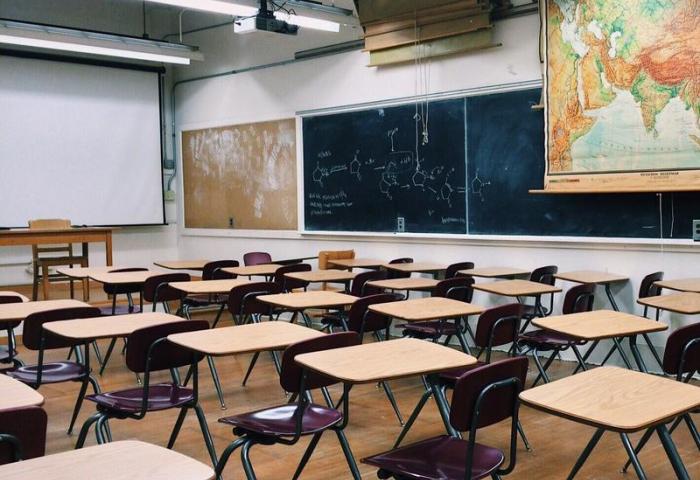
(123, 460)
(302, 301)
(681, 284)
(16, 394)
(350, 263)
(416, 267)
(603, 324)
(686, 303)
(596, 278)
(495, 272)
(411, 283)
(390, 360)
(617, 400)
(182, 264)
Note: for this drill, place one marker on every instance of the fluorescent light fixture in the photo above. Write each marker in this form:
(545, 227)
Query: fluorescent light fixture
(237, 10)
(308, 22)
(214, 6)
(94, 43)
(78, 48)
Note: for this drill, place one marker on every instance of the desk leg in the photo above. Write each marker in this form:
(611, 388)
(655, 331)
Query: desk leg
(622, 353)
(108, 249)
(637, 354)
(442, 404)
(608, 292)
(586, 453)
(673, 456)
(416, 411)
(633, 457)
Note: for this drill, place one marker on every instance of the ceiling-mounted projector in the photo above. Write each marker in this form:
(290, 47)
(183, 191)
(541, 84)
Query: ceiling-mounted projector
(264, 21)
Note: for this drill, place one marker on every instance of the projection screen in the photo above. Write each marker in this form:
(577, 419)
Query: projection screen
(79, 141)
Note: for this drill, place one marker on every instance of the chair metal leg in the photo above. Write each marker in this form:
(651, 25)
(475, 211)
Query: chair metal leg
(245, 459)
(416, 411)
(175, 374)
(98, 354)
(99, 431)
(392, 400)
(227, 453)
(307, 454)
(218, 315)
(106, 431)
(622, 353)
(693, 429)
(217, 382)
(633, 457)
(86, 428)
(276, 361)
(643, 441)
(250, 367)
(550, 360)
(586, 452)
(672, 453)
(653, 351)
(78, 404)
(348, 454)
(206, 434)
(543, 373)
(176, 428)
(579, 358)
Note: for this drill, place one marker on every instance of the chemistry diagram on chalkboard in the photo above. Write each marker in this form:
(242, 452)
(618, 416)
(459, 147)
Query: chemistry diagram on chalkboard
(399, 170)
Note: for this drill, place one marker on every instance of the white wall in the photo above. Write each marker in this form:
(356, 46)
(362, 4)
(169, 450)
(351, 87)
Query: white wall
(344, 79)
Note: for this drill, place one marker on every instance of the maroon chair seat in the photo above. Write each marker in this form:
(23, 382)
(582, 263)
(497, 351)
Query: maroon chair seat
(449, 377)
(54, 372)
(119, 310)
(437, 459)
(256, 258)
(160, 397)
(430, 329)
(280, 421)
(548, 340)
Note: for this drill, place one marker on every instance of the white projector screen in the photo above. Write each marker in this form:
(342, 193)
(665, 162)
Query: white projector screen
(79, 141)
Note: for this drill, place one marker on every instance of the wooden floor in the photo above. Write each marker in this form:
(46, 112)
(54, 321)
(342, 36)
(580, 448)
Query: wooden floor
(372, 429)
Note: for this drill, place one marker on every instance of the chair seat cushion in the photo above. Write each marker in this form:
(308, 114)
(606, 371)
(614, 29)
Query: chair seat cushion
(204, 300)
(160, 397)
(438, 458)
(54, 372)
(120, 310)
(433, 328)
(333, 320)
(449, 377)
(280, 422)
(544, 338)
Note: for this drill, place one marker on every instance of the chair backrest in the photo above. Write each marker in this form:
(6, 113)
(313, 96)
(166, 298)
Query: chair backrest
(123, 288)
(209, 272)
(290, 374)
(156, 288)
(647, 287)
(28, 427)
(165, 355)
(497, 405)
(544, 274)
(33, 327)
(288, 284)
(325, 255)
(363, 320)
(454, 268)
(456, 288)
(498, 326)
(395, 273)
(579, 299)
(358, 287)
(682, 354)
(256, 258)
(241, 299)
(50, 224)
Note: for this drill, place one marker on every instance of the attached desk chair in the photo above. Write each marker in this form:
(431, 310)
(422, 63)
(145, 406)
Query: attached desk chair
(44, 262)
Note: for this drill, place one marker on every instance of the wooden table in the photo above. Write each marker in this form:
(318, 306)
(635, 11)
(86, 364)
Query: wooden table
(681, 284)
(618, 400)
(417, 283)
(416, 267)
(10, 293)
(121, 278)
(182, 264)
(324, 276)
(594, 277)
(86, 330)
(350, 263)
(301, 301)
(264, 270)
(495, 272)
(687, 303)
(209, 287)
(603, 324)
(389, 360)
(20, 311)
(84, 235)
(428, 308)
(16, 394)
(124, 460)
(86, 272)
(517, 288)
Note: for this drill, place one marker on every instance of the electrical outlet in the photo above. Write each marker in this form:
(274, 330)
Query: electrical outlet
(169, 195)
(230, 222)
(696, 230)
(400, 224)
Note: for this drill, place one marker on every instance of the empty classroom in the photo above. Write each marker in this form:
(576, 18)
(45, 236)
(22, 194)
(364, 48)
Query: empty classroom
(349, 239)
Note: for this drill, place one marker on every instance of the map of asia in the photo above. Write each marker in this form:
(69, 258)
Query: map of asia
(623, 95)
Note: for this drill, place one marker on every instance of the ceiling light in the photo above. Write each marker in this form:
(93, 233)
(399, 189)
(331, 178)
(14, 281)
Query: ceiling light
(94, 43)
(308, 22)
(214, 6)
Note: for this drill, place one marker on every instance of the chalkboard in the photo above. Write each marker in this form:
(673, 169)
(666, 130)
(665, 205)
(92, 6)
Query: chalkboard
(497, 142)
(364, 170)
